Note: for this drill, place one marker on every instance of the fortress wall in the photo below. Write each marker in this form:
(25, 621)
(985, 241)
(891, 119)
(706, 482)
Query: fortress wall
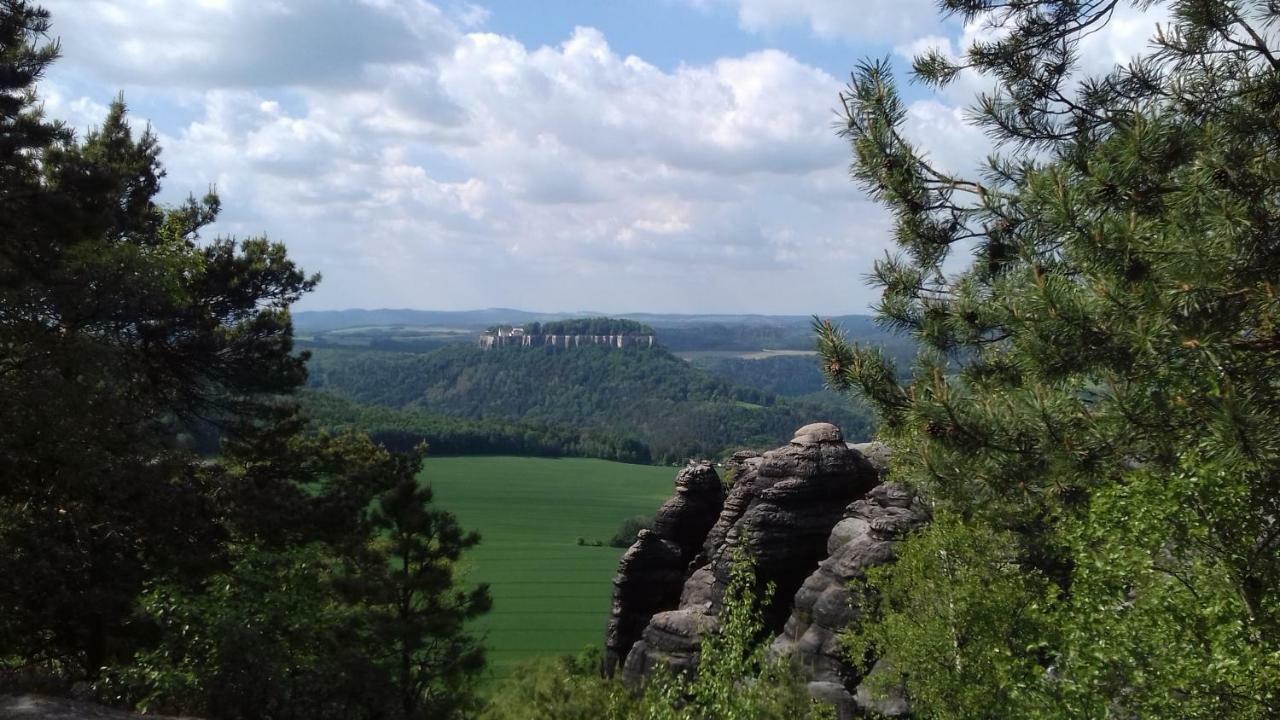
(488, 341)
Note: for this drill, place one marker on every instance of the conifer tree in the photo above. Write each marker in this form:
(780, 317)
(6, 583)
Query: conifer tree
(119, 333)
(127, 558)
(1094, 409)
(422, 611)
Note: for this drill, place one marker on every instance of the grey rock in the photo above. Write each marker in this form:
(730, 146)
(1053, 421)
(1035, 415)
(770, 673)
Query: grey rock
(825, 605)
(817, 433)
(689, 514)
(836, 695)
(744, 467)
(672, 639)
(881, 703)
(779, 513)
(653, 569)
(876, 453)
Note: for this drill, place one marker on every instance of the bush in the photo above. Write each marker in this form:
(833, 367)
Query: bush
(735, 682)
(629, 529)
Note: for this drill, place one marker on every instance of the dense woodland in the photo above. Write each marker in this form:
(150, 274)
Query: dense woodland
(631, 404)
(403, 429)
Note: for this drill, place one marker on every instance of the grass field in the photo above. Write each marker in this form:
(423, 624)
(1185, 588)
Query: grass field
(550, 595)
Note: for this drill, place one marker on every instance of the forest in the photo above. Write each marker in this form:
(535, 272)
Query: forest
(589, 326)
(627, 404)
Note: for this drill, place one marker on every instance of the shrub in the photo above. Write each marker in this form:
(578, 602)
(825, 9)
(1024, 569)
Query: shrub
(629, 529)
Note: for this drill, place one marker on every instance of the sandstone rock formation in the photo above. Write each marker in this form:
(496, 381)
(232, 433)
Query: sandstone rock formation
(652, 570)
(814, 516)
(867, 537)
(779, 513)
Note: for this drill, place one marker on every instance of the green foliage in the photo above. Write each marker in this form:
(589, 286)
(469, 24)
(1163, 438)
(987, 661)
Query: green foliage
(119, 334)
(403, 429)
(958, 606)
(616, 400)
(629, 529)
(798, 376)
(253, 585)
(568, 687)
(420, 612)
(357, 615)
(735, 680)
(1107, 454)
(269, 637)
(589, 326)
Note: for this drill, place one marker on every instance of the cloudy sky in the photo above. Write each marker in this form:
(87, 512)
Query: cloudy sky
(555, 155)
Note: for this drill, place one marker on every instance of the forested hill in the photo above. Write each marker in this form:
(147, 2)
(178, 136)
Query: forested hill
(645, 395)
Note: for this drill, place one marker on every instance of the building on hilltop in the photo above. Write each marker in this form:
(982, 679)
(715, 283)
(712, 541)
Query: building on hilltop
(570, 333)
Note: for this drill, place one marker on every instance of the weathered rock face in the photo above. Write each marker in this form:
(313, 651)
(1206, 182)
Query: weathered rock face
(824, 605)
(653, 569)
(779, 513)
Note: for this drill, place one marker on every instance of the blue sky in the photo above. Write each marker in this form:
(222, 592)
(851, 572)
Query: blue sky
(666, 156)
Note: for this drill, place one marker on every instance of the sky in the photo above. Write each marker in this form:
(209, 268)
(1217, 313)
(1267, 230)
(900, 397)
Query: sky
(672, 156)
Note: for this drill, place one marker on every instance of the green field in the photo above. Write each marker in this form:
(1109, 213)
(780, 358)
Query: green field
(550, 595)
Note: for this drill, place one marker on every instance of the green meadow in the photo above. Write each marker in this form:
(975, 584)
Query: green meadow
(550, 595)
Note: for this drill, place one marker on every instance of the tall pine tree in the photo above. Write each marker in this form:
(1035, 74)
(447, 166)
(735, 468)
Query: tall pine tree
(1096, 408)
(127, 343)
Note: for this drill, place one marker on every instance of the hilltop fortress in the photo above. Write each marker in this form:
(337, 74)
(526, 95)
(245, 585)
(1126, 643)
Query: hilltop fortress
(570, 333)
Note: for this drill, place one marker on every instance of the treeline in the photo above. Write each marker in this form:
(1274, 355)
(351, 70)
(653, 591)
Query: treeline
(402, 430)
(646, 394)
(588, 326)
(781, 334)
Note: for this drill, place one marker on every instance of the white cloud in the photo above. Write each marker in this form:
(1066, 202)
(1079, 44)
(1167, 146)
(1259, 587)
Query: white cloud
(416, 160)
(247, 43)
(875, 20)
(446, 168)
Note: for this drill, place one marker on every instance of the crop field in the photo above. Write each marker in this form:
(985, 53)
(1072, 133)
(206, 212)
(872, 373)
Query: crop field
(550, 595)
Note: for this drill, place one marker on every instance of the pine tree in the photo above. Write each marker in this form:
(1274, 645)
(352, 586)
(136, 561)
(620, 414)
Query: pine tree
(1094, 409)
(118, 333)
(126, 557)
(422, 611)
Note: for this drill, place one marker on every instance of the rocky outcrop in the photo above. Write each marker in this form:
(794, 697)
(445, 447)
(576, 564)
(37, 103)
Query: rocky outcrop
(825, 604)
(651, 572)
(814, 516)
(742, 468)
(779, 513)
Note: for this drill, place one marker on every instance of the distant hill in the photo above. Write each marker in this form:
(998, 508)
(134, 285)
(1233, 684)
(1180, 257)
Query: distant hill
(426, 330)
(617, 396)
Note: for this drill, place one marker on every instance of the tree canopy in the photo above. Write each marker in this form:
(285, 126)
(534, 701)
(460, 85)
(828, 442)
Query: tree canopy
(627, 404)
(249, 584)
(1106, 460)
